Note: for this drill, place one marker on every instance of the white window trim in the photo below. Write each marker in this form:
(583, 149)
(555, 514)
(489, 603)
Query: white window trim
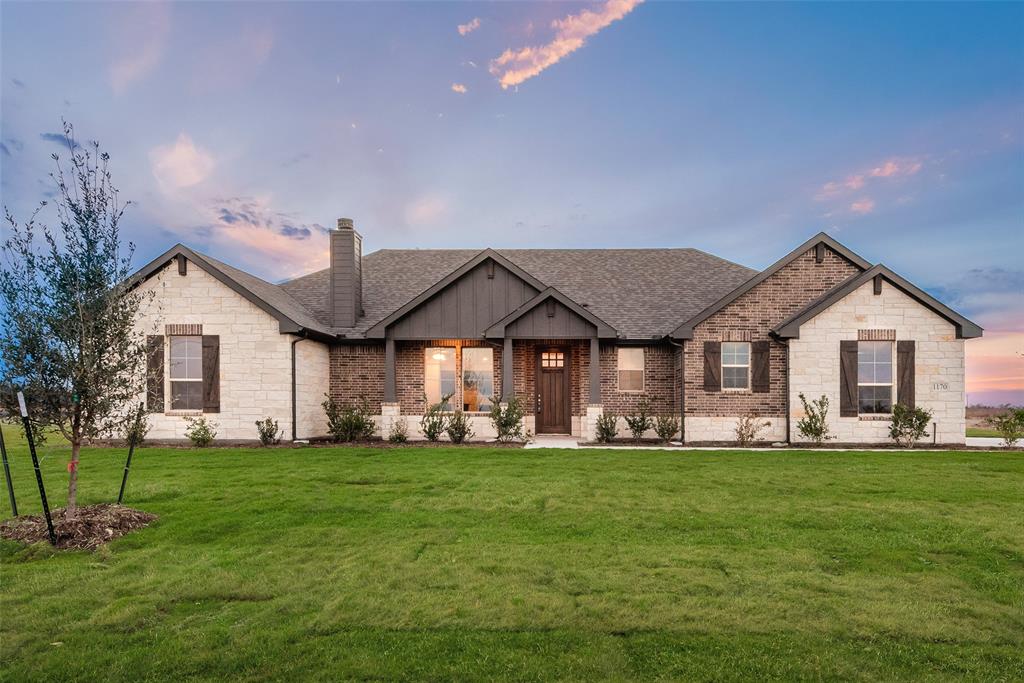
(168, 380)
(891, 384)
(643, 371)
(750, 351)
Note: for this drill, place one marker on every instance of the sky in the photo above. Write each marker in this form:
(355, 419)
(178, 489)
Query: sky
(246, 129)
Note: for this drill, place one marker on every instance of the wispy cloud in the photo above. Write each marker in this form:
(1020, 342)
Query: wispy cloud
(459, 88)
(516, 66)
(181, 164)
(59, 139)
(470, 26)
(268, 234)
(863, 206)
(895, 167)
(146, 28)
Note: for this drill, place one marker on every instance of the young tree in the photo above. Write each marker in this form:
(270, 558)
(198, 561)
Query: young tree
(68, 335)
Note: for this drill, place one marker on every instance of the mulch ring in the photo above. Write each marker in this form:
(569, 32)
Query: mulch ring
(92, 526)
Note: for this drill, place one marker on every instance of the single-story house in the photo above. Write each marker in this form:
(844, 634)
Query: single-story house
(574, 333)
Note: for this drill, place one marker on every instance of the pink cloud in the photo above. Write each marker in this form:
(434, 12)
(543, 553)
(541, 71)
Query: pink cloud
(863, 206)
(459, 88)
(895, 167)
(892, 168)
(470, 26)
(516, 66)
(181, 164)
(144, 30)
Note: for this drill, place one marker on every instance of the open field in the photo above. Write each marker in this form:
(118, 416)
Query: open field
(473, 563)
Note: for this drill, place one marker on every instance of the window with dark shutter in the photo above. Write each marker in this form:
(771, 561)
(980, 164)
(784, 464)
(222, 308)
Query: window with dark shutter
(905, 373)
(712, 366)
(155, 373)
(848, 378)
(211, 373)
(760, 369)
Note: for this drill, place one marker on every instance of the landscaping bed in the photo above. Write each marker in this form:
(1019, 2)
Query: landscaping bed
(91, 526)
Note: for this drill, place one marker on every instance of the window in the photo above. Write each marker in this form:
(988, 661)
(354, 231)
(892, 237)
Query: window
(874, 377)
(439, 374)
(477, 378)
(631, 368)
(186, 373)
(552, 359)
(735, 365)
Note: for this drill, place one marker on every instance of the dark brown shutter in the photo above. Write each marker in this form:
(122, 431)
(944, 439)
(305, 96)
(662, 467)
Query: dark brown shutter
(905, 373)
(211, 373)
(848, 379)
(155, 373)
(760, 375)
(712, 366)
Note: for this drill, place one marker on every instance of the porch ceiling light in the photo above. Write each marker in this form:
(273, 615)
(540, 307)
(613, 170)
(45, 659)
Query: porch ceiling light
(439, 355)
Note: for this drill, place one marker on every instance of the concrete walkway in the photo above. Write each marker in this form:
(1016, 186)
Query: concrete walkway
(553, 441)
(984, 441)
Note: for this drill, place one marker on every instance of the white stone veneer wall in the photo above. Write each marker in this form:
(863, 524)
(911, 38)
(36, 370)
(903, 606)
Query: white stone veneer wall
(255, 358)
(724, 429)
(312, 382)
(939, 362)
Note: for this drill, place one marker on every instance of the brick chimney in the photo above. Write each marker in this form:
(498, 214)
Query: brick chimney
(346, 295)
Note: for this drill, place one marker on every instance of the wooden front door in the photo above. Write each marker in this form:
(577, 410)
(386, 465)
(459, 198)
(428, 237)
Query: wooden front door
(553, 413)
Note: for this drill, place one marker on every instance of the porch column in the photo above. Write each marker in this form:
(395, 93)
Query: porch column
(389, 371)
(507, 368)
(595, 371)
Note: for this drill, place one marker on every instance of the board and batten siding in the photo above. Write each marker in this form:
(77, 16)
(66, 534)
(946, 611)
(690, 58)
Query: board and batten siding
(550, 320)
(939, 363)
(255, 358)
(466, 307)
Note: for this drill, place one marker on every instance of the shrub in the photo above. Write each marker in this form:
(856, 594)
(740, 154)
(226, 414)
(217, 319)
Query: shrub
(814, 426)
(348, 423)
(908, 424)
(434, 420)
(268, 431)
(399, 431)
(1010, 425)
(508, 421)
(460, 427)
(640, 420)
(607, 427)
(748, 428)
(201, 432)
(666, 426)
(137, 430)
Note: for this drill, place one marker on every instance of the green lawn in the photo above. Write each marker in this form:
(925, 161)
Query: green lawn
(983, 431)
(462, 564)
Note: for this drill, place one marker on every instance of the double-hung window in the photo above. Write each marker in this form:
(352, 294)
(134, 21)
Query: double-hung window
(439, 375)
(874, 377)
(735, 365)
(631, 368)
(186, 373)
(472, 389)
(477, 378)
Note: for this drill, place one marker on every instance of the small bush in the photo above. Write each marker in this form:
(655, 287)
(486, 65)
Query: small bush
(607, 427)
(814, 426)
(508, 421)
(399, 431)
(434, 421)
(201, 432)
(268, 431)
(640, 420)
(348, 423)
(136, 431)
(748, 428)
(909, 424)
(666, 426)
(460, 427)
(1010, 425)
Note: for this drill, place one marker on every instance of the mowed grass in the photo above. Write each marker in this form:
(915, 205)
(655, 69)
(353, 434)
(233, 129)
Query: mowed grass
(983, 431)
(487, 564)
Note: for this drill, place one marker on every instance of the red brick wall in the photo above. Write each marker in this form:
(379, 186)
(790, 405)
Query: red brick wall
(660, 363)
(357, 372)
(749, 318)
(525, 371)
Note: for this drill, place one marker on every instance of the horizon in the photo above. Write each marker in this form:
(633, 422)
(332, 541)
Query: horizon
(243, 130)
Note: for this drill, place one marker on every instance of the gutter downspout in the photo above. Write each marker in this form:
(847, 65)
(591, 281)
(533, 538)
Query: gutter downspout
(789, 412)
(295, 409)
(682, 389)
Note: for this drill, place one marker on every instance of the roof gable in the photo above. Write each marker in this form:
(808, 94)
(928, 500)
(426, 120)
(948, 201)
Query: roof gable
(685, 330)
(562, 319)
(790, 328)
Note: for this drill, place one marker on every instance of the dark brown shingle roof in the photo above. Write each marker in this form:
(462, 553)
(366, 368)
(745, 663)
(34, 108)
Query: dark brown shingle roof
(642, 293)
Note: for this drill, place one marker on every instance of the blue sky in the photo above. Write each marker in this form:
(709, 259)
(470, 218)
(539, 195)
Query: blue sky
(243, 128)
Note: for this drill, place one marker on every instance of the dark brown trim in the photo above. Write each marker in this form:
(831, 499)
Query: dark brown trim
(550, 294)
(790, 328)
(878, 285)
(685, 331)
(182, 264)
(379, 329)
